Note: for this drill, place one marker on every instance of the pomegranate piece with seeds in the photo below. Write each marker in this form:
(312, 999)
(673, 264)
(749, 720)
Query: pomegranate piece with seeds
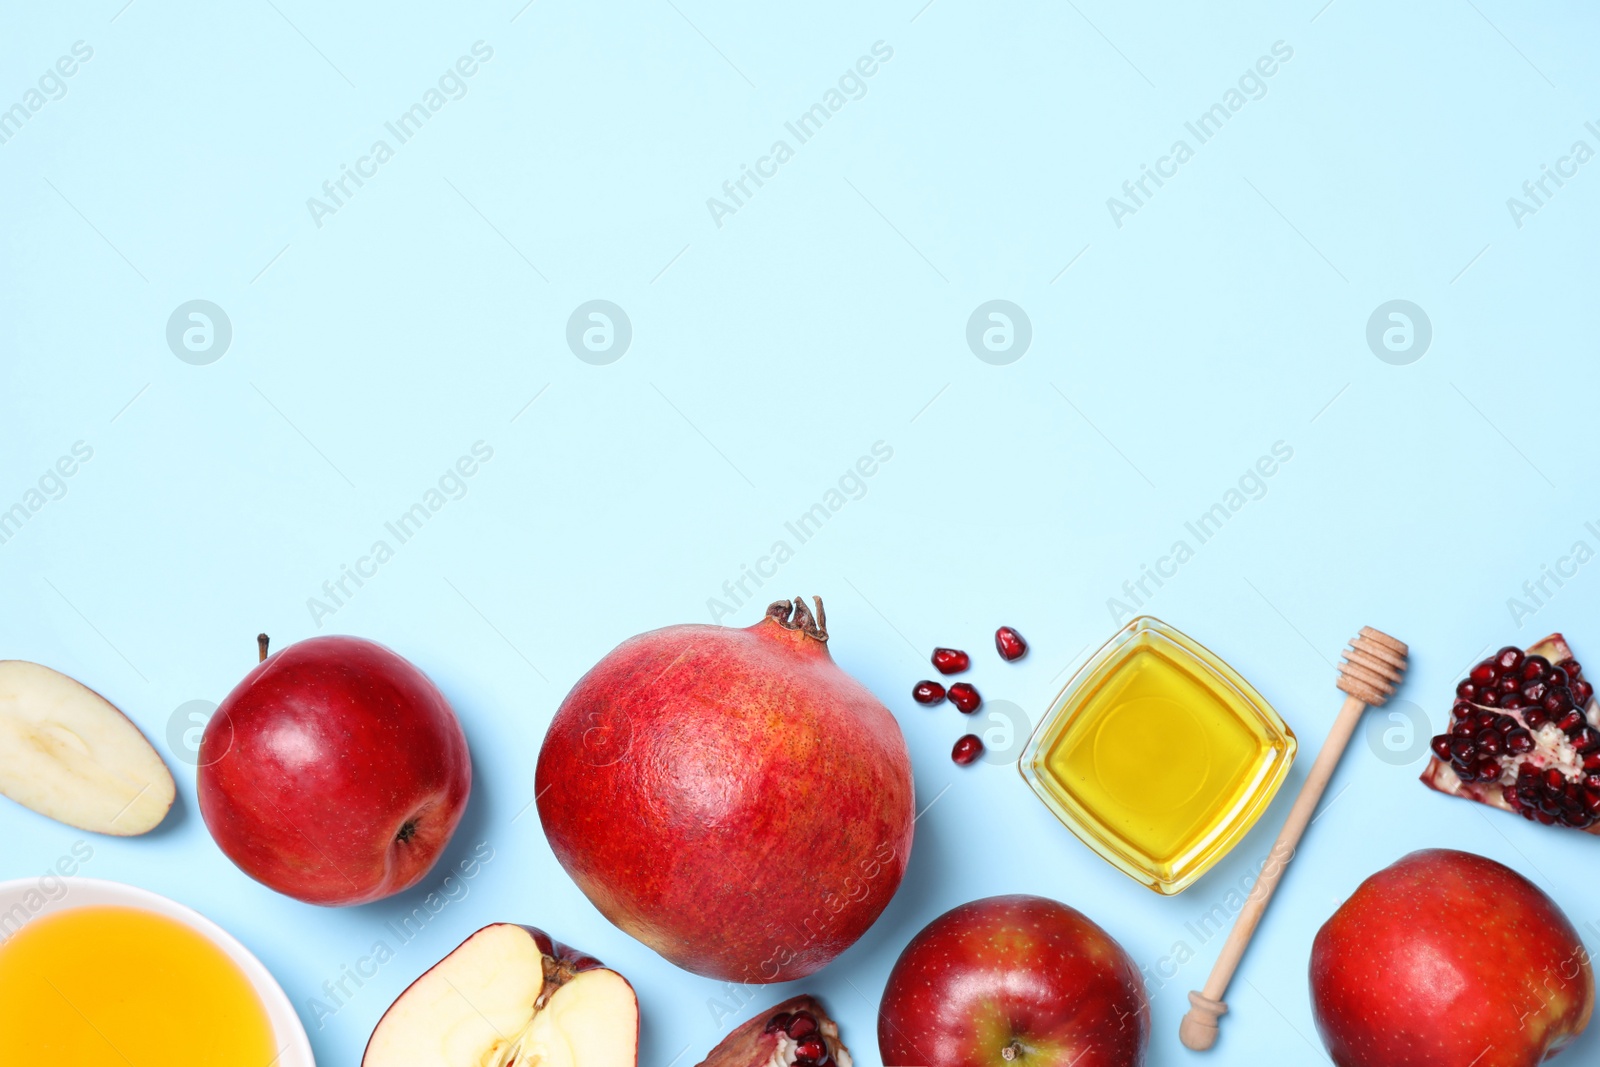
(1524, 736)
(965, 698)
(926, 692)
(1009, 644)
(796, 1033)
(968, 748)
(951, 660)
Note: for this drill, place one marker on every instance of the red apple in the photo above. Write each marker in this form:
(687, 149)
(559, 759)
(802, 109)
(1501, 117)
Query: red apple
(1446, 959)
(1015, 978)
(510, 996)
(335, 772)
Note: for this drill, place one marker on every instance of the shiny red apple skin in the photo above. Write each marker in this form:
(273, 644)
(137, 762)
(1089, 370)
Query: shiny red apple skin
(1020, 972)
(334, 773)
(1445, 959)
(730, 797)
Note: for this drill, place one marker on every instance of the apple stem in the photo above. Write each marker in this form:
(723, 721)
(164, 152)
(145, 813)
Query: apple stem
(261, 647)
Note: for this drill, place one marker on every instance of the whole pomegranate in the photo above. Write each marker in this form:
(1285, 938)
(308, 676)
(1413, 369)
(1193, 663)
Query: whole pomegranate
(730, 797)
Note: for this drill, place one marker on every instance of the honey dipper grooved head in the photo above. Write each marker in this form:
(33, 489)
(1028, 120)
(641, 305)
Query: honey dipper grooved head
(1372, 666)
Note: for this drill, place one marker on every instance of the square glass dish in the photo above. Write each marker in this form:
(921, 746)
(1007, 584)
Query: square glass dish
(1158, 756)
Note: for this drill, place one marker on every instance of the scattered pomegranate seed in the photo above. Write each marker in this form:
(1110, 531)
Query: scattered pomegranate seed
(1010, 644)
(965, 698)
(967, 749)
(951, 660)
(926, 692)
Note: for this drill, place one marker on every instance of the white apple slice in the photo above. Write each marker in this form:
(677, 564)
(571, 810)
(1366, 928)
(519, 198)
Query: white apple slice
(509, 996)
(68, 753)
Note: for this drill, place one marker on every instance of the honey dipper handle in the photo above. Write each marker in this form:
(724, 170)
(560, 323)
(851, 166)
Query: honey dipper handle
(1199, 1027)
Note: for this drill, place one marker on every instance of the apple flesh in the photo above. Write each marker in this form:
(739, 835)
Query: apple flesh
(1445, 959)
(69, 754)
(510, 995)
(1014, 979)
(335, 772)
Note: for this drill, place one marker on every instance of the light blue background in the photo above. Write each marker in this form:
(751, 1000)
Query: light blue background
(768, 354)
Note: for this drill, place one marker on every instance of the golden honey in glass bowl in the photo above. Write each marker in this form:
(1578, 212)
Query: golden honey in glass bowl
(1158, 756)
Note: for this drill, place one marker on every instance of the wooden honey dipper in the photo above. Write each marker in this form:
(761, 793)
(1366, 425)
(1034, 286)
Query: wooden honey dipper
(1371, 669)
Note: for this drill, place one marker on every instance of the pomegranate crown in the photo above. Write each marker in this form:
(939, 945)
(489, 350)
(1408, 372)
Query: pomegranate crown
(794, 615)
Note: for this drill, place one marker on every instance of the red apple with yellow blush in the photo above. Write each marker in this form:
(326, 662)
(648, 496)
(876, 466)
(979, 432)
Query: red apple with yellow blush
(335, 772)
(1445, 959)
(1014, 981)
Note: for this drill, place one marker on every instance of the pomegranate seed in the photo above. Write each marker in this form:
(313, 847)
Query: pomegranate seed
(1489, 743)
(1548, 820)
(1592, 781)
(1570, 668)
(1466, 690)
(804, 1023)
(1557, 703)
(951, 660)
(1462, 709)
(778, 1022)
(1570, 721)
(1441, 747)
(1482, 674)
(1591, 801)
(1513, 702)
(1535, 717)
(1509, 684)
(1508, 658)
(1489, 698)
(1504, 724)
(1591, 762)
(967, 749)
(965, 698)
(1553, 779)
(1582, 692)
(926, 692)
(1461, 750)
(1534, 667)
(1010, 644)
(1519, 741)
(811, 1050)
(1488, 769)
(1587, 740)
(1535, 692)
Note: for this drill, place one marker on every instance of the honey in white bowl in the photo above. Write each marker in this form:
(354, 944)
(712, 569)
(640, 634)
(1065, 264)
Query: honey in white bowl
(1158, 756)
(117, 985)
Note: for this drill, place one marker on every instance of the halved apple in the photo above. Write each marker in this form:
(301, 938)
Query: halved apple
(68, 753)
(509, 996)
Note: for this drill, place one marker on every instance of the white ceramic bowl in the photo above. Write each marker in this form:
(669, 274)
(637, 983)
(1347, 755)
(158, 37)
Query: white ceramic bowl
(27, 893)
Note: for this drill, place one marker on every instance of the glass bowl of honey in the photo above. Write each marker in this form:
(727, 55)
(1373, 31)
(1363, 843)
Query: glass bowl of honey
(1158, 756)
